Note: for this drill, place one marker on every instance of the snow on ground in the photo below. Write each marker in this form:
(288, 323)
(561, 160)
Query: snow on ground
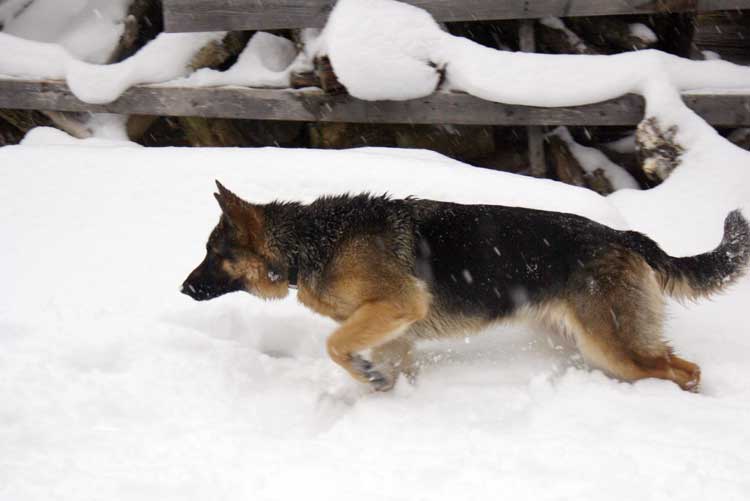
(115, 386)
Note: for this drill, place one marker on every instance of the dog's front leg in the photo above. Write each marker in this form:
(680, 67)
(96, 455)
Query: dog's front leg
(372, 325)
(397, 357)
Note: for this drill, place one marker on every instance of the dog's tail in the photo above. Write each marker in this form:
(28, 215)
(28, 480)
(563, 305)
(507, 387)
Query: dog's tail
(705, 274)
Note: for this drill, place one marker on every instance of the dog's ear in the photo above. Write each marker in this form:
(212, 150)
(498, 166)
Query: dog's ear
(241, 214)
(230, 203)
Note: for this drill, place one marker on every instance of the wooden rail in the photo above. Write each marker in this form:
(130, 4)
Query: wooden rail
(222, 15)
(311, 106)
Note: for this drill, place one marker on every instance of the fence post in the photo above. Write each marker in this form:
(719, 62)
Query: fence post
(537, 165)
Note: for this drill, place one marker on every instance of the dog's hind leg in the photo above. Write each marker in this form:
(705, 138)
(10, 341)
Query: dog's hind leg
(617, 324)
(604, 350)
(371, 326)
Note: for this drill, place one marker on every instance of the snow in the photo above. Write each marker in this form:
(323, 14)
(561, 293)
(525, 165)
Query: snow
(45, 136)
(108, 126)
(643, 32)
(266, 61)
(88, 29)
(380, 49)
(165, 58)
(592, 159)
(383, 49)
(710, 55)
(24, 58)
(119, 387)
(574, 40)
(10, 9)
(624, 145)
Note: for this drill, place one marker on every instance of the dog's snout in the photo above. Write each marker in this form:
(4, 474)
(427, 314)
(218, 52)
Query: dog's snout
(196, 292)
(191, 287)
(209, 280)
(188, 289)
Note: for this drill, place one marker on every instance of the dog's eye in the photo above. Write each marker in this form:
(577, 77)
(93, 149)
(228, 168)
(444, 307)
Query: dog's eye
(273, 276)
(214, 256)
(218, 252)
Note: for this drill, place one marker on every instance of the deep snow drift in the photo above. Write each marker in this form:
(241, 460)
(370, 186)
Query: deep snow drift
(115, 386)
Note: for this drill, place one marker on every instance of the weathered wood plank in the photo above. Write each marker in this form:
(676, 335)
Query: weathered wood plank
(220, 15)
(312, 106)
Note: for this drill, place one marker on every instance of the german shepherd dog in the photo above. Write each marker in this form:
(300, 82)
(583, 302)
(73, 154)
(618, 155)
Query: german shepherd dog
(391, 272)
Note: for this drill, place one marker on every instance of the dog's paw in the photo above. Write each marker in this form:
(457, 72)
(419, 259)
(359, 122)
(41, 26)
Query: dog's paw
(691, 381)
(377, 379)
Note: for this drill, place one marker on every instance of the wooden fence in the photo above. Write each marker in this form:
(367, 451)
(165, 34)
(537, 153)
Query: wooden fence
(219, 15)
(441, 107)
(314, 106)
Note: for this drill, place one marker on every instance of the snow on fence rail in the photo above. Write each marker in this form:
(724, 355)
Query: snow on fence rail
(273, 104)
(219, 15)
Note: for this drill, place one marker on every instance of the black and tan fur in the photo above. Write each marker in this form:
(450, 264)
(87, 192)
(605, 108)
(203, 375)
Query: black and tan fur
(392, 272)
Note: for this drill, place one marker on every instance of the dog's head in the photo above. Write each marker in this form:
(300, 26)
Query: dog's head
(238, 257)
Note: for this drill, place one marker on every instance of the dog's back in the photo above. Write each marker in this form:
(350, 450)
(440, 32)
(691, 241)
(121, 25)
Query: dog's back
(488, 260)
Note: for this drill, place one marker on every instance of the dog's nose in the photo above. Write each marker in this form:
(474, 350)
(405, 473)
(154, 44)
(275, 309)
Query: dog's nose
(188, 289)
(199, 293)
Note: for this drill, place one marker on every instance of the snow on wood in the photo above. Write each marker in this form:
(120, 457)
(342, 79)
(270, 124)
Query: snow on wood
(88, 29)
(595, 163)
(166, 57)
(383, 49)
